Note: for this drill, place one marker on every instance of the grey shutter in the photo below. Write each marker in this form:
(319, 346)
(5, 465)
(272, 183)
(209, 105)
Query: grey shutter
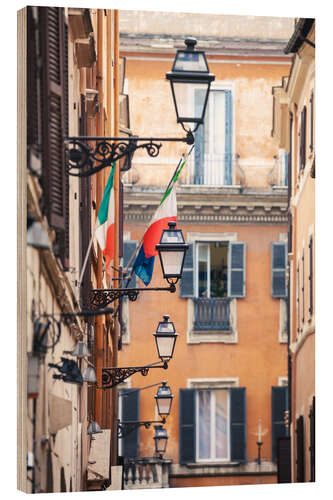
(186, 286)
(236, 269)
(199, 144)
(278, 268)
(129, 249)
(279, 401)
(187, 426)
(238, 423)
(130, 412)
(228, 138)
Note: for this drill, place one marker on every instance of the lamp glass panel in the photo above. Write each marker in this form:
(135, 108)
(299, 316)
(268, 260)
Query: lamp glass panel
(164, 406)
(165, 346)
(170, 236)
(184, 95)
(172, 262)
(161, 444)
(166, 327)
(190, 61)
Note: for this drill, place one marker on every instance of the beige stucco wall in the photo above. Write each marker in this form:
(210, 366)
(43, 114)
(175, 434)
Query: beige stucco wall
(218, 25)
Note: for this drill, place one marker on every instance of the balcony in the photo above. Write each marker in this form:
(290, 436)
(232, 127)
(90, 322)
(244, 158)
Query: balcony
(143, 473)
(212, 313)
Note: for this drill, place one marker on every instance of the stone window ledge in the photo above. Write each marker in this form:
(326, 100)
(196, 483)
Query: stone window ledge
(223, 469)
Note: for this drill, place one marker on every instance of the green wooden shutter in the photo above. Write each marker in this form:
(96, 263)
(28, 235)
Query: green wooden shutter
(278, 269)
(238, 424)
(236, 270)
(129, 249)
(199, 144)
(130, 412)
(279, 402)
(228, 138)
(186, 286)
(187, 426)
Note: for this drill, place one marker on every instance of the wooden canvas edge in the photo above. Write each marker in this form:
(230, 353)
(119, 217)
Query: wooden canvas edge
(21, 249)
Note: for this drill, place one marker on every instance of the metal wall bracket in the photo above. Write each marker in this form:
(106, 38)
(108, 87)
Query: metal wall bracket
(115, 375)
(84, 160)
(126, 428)
(101, 297)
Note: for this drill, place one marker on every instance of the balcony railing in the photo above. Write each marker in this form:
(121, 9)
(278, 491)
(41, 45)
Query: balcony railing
(141, 473)
(212, 313)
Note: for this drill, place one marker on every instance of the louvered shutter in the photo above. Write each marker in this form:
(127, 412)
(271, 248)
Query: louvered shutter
(312, 447)
(279, 401)
(236, 270)
(53, 42)
(186, 286)
(129, 249)
(130, 412)
(311, 276)
(300, 472)
(311, 121)
(303, 139)
(199, 144)
(228, 138)
(238, 424)
(278, 269)
(283, 460)
(187, 426)
(32, 81)
(85, 217)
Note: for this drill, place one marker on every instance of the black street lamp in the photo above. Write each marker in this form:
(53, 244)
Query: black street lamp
(165, 338)
(161, 440)
(189, 77)
(190, 84)
(171, 250)
(164, 399)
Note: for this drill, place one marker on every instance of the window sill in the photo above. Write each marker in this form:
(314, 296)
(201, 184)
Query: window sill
(211, 464)
(212, 336)
(223, 469)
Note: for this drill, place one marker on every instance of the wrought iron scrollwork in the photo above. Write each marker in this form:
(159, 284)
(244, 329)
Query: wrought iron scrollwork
(84, 160)
(101, 297)
(115, 375)
(126, 428)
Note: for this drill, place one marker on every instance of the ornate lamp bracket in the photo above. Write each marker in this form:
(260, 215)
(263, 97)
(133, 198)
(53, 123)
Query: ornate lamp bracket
(126, 428)
(83, 160)
(101, 297)
(115, 375)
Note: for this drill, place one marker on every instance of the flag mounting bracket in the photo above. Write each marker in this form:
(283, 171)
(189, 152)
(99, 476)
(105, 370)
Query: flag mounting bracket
(101, 297)
(83, 160)
(115, 375)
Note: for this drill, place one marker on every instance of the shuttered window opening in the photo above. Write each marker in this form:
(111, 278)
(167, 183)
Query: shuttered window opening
(298, 300)
(311, 276)
(33, 82)
(279, 405)
(302, 159)
(300, 462)
(129, 410)
(213, 140)
(54, 98)
(303, 286)
(311, 120)
(212, 425)
(312, 448)
(278, 269)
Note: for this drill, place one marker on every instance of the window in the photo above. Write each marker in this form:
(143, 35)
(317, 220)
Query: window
(213, 140)
(312, 447)
(311, 120)
(214, 272)
(300, 462)
(311, 275)
(212, 425)
(279, 401)
(278, 269)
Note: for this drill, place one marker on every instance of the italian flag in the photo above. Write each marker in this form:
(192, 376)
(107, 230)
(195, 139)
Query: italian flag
(104, 229)
(167, 211)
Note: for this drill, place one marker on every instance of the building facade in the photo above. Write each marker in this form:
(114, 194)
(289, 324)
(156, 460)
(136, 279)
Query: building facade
(229, 371)
(69, 87)
(294, 128)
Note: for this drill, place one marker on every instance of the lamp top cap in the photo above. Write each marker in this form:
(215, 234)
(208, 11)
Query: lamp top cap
(190, 43)
(172, 223)
(166, 317)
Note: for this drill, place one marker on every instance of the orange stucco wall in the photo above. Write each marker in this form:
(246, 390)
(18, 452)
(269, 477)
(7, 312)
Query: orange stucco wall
(258, 359)
(180, 482)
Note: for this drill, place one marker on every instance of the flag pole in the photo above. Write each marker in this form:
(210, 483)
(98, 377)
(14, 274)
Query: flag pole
(86, 257)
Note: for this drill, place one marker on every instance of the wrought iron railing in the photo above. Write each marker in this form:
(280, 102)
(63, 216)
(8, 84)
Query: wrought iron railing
(212, 313)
